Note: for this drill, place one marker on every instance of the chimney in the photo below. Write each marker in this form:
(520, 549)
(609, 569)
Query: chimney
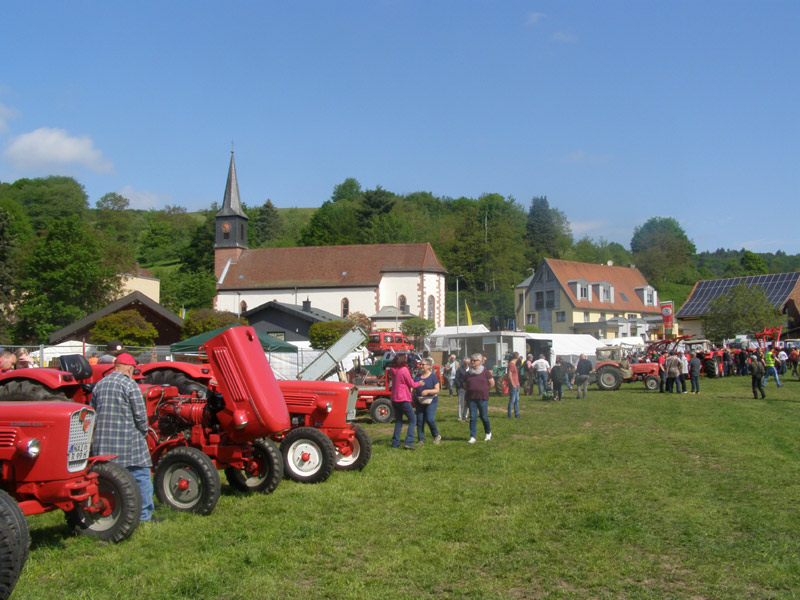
(306, 305)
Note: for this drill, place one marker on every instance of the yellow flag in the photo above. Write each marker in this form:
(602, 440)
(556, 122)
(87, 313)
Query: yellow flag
(469, 316)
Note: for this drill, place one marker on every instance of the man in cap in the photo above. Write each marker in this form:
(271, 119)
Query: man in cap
(113, 349)
(121, 427)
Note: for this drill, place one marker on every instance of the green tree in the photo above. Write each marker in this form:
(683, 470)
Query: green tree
(121, 224)
(8, 244)
(198, 254)
(333, 224)
(752, 263)
(360, 319)
(661, 250)
(349, 189)
(207, 319)
(49, 199)
(744, 308)
(264, 226)
(548, 233)
(188, 290)
(66, 278)
(417, 328)
(323, 334)
(127, 326)
(168, 232)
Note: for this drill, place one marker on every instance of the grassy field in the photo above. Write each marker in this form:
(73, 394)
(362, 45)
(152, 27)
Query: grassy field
(627, 494)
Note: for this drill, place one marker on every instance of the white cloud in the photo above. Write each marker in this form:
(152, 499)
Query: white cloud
(144, 200)
(580, 156)
(533, 18)
(6, 113)
(566, 38)
(48, 148)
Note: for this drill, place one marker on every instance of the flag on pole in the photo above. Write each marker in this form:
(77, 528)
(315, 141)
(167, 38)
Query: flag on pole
(469, 316)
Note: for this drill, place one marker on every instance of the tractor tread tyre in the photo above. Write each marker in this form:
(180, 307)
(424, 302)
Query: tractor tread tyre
(187, 466)
(185, 384)
(270, 472)
(609, 378)
(711, 367)
(10, 563)
(362, 452)
(118, 486)
(381, 411)
(16, 536)
(26, 391)
(322, 455)
(652, 382)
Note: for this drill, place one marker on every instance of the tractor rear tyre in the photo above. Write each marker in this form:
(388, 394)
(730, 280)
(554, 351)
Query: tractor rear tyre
(262, 473)
(21, 391)
(309, 455)
(711, 367)
(187, 480)
(186, 385)
(381, 411)
(359, 457)
(15, 541)
(652, 382)
(609, 378)
(501, 385)
(120, 492)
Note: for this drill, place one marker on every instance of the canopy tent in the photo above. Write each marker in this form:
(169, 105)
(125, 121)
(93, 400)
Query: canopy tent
(192, 344)
(567, 345)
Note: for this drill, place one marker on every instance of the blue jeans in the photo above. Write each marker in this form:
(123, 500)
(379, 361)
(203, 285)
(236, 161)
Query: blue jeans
(142, 477)
(771, 371)
(695, 380)
(426, 413)
(475, 407)
(513, 401)
(541, 379)
(400, 409)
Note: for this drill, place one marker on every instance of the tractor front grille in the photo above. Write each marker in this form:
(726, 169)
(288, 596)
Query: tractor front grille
(8, 436)
(81, 427)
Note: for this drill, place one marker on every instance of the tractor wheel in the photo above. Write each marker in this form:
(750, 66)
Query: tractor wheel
(362, 451)
(309, 455)
(711, 367)
(21, 390)
(652, 382)
(15, 541)
(187, 480)
(501, 386)
(262, 473)
(609, 378)
(10, 565)
(381, 410)
(120, 492)
(186, 385)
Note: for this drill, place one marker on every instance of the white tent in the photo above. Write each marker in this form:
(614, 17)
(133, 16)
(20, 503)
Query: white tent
(633, 340)
(567, 345)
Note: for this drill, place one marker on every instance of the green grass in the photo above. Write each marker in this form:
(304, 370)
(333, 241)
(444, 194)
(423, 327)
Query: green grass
(627, 494)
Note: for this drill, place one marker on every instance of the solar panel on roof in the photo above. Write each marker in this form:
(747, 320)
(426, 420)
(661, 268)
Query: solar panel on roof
(777, 287)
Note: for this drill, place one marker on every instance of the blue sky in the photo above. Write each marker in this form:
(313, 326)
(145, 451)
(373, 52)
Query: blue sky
(616, 111)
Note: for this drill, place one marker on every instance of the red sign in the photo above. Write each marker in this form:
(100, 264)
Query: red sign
(666, 314)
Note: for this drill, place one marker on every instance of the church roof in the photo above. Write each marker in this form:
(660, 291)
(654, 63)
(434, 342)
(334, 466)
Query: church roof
(327, 266)
(231, 203)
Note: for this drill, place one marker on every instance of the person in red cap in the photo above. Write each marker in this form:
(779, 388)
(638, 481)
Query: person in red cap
(121, 427)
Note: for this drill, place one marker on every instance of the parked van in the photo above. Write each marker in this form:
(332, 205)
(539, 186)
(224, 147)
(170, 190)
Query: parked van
(381, 341)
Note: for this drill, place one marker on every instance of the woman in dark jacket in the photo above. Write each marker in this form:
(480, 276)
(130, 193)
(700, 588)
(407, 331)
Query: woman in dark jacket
(558, 376)
(478, 382)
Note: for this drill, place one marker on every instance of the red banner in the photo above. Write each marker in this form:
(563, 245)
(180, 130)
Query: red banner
(666, 314)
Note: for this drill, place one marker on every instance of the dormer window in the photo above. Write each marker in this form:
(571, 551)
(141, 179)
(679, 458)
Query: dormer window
(647, 294)
(581, 289)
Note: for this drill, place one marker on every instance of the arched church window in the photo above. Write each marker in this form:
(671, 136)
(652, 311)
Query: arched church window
(345, 307)
(431, 308)
(402, 304)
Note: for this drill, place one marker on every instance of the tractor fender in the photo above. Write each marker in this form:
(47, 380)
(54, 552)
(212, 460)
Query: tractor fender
(58, 381)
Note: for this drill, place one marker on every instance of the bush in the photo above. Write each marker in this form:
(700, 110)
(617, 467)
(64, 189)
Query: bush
(323, 335)
(127, 326)
(207, 319)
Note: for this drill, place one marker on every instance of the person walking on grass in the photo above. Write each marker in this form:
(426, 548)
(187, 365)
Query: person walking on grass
(582, 371)
(757, 370)
(402, 384)
(541, 369)
(695, 366)
(558, 375)
(769, 361)
(513, 384)
(426, 399)
(478, 382)
(461, 376)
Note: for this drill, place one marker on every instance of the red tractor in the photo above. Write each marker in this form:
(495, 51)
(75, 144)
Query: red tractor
(45, 466)
(709, 355)
(613, 367)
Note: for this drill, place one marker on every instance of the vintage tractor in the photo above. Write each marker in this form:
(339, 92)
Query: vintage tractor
(613, 368)
(14, 543)
(45, 466)
(709, 355)
(320, 436)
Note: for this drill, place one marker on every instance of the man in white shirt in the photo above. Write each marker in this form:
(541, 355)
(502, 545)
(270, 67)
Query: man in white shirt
(542, 369)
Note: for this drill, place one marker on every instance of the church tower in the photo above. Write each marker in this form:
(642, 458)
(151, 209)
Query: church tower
(231, 225)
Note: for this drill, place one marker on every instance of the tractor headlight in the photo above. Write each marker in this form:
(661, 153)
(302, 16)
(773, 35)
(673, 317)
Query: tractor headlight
(329, 406)
(32, 447)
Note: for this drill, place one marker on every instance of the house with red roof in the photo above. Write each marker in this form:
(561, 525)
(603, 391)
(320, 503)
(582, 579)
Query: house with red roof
(336, 279)
(605, 301)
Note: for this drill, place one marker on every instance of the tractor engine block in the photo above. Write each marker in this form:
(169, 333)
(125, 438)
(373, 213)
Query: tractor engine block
(181, 413)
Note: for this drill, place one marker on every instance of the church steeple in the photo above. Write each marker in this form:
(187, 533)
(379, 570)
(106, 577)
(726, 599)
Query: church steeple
(231, 220)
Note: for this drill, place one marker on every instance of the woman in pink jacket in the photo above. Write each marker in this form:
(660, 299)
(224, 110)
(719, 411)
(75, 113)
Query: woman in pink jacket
(401, 400)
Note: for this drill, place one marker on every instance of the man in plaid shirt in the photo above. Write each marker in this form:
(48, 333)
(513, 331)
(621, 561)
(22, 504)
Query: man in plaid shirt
(121, 427)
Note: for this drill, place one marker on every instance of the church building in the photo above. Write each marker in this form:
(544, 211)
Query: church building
(337, 279)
